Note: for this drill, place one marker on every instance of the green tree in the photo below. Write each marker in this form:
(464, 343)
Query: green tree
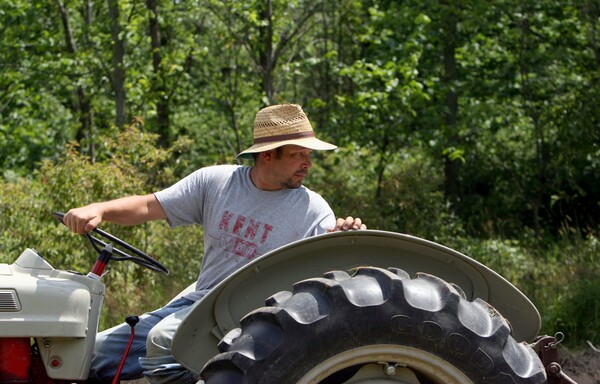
(128, 164)
(385, 91)
(34, 123)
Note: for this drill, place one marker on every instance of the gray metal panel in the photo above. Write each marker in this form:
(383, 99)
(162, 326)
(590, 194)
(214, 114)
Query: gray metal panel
(220, 311)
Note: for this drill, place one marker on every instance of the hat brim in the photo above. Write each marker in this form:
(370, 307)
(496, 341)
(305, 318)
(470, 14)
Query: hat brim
(308, 142)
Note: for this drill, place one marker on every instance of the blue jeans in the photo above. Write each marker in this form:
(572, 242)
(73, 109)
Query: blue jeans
(155, 329)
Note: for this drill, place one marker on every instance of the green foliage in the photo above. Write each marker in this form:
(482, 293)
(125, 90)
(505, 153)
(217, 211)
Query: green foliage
(409, 201)
(571, 291)
(559, 277)
(512, 259)
(376, 77)
(35, 118)
(133, 165)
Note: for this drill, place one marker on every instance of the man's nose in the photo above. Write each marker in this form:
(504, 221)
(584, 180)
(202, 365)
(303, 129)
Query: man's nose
(307, 164)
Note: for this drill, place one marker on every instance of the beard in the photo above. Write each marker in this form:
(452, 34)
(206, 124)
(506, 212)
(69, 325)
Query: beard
(293, 184)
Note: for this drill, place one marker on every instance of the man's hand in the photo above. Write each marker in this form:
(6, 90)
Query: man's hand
(83, 220)
(348, 224)
(130, 210)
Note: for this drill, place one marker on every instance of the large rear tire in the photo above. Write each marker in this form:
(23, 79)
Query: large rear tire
(377, 325)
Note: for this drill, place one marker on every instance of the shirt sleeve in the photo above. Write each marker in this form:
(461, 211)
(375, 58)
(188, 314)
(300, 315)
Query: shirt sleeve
(324, 213)
(183, 201)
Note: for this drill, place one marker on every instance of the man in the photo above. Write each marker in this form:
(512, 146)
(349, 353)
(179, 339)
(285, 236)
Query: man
(246, 212)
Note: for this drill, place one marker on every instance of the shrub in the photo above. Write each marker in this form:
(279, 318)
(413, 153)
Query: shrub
(129, 164)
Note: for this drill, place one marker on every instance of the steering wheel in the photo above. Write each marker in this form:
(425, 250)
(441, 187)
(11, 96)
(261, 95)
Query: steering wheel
(138, 257)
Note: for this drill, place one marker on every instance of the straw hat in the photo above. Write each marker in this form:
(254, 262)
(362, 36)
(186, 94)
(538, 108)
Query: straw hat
(280, 125)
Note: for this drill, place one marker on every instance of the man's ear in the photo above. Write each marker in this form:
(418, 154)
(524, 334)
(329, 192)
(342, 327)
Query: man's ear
(267, 155)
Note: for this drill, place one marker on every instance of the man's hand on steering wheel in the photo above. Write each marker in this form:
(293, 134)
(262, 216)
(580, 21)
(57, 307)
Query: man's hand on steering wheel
(137, 256)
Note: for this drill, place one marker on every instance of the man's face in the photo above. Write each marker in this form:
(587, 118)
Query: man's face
(289, 165)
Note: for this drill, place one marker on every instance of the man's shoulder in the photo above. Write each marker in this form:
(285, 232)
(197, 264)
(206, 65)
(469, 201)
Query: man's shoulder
(221, 169)
(311, 194)
(221, 173)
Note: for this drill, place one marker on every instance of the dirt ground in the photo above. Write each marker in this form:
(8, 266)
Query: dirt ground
(583, 367)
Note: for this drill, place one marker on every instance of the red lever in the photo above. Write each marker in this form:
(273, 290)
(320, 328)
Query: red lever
(132, 321)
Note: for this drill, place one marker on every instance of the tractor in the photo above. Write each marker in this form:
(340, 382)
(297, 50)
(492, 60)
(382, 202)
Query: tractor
(364, 306)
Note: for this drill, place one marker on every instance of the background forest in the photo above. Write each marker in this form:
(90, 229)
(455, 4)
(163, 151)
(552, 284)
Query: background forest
(473, 124)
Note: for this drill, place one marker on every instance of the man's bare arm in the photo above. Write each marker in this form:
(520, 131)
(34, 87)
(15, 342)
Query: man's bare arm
(129, 210)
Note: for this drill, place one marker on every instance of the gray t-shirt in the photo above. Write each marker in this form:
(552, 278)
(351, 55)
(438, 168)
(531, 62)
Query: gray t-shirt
(241, 222)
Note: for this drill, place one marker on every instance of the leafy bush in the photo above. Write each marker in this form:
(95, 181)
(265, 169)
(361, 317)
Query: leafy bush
(129, 164)
(572, 290)
(559, 276)
(406, 199)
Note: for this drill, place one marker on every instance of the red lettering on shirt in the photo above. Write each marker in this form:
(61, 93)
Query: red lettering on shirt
(252, 229)
(224, 224)
(245, 249)
(239, 224)
(266, 230)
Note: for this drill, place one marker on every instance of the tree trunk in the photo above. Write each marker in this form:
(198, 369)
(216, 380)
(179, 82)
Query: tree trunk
(159, 86)
(118, 67)
(266, 53)
(451, 165)
(82, 107)
(538, 189)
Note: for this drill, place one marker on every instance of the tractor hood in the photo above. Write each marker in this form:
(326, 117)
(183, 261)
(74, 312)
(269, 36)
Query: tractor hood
(37, 300)
(245, 290)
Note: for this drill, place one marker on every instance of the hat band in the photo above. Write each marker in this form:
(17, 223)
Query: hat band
(292, 136)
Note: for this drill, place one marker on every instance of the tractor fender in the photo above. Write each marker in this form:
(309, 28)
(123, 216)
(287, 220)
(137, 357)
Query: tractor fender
(220, 311)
